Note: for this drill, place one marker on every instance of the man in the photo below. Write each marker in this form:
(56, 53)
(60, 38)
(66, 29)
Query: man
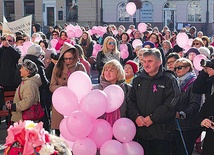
(151, 104)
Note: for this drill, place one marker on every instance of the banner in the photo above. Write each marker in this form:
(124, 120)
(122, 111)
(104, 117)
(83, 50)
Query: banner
(24, 24)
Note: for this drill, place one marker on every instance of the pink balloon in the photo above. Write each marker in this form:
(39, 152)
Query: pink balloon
(26, 45)
(95, 103)
(123, 47)
(124, 54)
(69, 27)
(78, 33)
(101, 132)
(94, 30)
(69, 143)
(80, 83)
(98, 47)
(95, 52)
(131, 8)
(124, 130)
(21, 50)
(90, 32)
(79, 124)
(64, 131)
(115, 32)
(182, 39)
(136, 43)
(64, 100)
(129, 31)
(53, 42)
(190, 42)
(115, 97)
(84, 146)
(142, 27)
(133, 148)
(71, 33)
(111, 147)
(37, 39)
(186, 48)
(197, 60)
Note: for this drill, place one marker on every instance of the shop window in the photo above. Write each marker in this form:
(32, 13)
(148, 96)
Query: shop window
(9, 10)
(122, 15)
(71, 11)
(194, 12)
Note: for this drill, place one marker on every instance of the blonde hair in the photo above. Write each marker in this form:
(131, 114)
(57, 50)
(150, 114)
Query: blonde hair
(186, 63)
(105, 49)
(114, 64)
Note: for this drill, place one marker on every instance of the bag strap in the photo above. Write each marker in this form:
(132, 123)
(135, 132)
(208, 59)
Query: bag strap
(19, 92)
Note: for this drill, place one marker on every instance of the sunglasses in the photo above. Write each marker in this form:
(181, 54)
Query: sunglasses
(71, 58)
(196, 43)
(55, 34)
(111, 43)
(10, 40)
(179, 68)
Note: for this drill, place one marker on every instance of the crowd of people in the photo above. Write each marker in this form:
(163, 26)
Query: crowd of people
(166, 96)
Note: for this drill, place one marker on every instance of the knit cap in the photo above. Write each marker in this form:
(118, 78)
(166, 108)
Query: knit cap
(151, 44)
(134, 65)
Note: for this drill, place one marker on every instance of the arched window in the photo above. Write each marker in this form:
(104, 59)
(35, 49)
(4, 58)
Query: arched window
(122, 15)
(147, 12)
(194, 11)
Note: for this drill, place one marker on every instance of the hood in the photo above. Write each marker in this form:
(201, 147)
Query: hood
(67, 46)
(36, 78)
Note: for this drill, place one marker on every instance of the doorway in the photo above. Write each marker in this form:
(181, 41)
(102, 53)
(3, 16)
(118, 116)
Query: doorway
(169, 19)
(50, 16)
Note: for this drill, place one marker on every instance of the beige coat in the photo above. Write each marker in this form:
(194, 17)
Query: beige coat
(29, 93)
(57, 82)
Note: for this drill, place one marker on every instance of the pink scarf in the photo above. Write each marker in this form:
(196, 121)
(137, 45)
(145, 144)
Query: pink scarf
(112, 116)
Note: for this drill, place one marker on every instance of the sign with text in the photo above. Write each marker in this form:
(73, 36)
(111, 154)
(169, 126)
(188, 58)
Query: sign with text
(23, 24)
(147, 12)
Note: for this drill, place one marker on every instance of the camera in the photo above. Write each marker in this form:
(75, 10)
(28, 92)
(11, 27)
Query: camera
(3, 38)
(54, 56)
(207, 63)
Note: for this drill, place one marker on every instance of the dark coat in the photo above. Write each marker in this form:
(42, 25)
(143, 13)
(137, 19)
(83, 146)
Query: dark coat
(155, 97)
(9, 58)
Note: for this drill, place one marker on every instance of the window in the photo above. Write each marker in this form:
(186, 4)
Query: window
(122, 15)
(9, 10)
(29, 8)
(71, 11)
(146, 12)
(194, 12)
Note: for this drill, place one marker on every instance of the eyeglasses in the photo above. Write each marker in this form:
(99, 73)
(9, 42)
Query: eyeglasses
(170, 62)
(179, 68)
(55, 34)
(196, 43)
(71, 58)
(111, 43)
(10, 40)
(173, 34)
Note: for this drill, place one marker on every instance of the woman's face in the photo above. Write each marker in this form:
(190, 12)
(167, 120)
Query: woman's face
(196, 44)
(140, 56)
(191, 56)
(110, 75)
(84, 36)
(124, 37)
(111, 44)
(166, 46)
(63, 36)
(68, 58)
(128, 71)
(43, 46)
(153, 38)
(24, 72)
(180, 69)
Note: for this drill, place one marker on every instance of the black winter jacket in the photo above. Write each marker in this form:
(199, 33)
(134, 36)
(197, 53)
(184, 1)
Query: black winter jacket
(155, 97)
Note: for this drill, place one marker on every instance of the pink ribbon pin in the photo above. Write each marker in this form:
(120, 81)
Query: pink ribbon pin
(154, 88)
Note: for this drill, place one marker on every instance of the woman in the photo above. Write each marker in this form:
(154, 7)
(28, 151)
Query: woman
(27, 93)
(188, 107)
(167, 47)
(130, 68)
(125, 40)
(62, 38)
(109, 51)
(173, 38)
(66, 65)
(87, 44)
(113, 73)
(82, 59)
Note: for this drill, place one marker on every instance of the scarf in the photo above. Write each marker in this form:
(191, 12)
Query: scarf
(185, 79)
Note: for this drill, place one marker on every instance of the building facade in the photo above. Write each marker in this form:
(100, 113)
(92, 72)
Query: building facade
(173, 13)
